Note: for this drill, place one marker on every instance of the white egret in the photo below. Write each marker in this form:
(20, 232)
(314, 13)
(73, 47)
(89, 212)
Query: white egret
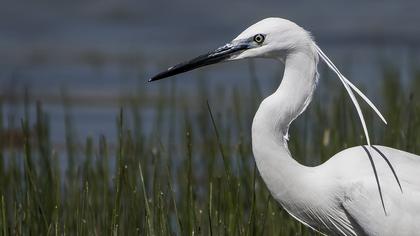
(363, 190)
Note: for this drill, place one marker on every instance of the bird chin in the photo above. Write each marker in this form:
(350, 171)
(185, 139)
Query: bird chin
(239, 56)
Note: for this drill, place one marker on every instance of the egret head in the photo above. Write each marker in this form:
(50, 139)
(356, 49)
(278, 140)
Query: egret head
(268, 38)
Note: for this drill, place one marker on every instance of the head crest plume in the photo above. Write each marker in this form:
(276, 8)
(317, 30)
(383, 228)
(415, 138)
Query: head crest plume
(350, 88)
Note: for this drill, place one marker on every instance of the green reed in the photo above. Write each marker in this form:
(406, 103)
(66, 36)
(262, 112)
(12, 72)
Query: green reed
(193, 174)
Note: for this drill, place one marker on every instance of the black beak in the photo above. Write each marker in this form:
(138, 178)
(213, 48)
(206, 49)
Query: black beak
(218, 55)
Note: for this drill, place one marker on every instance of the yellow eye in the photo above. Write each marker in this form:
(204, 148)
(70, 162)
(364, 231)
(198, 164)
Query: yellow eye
(259, 38)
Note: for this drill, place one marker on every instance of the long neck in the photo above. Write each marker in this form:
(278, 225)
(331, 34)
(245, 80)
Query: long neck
(280, 171)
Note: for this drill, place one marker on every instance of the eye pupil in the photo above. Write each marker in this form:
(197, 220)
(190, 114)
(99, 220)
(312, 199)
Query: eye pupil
(259, 38)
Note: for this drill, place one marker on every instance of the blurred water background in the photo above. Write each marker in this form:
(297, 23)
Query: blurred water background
(89, 147)
(95, 55)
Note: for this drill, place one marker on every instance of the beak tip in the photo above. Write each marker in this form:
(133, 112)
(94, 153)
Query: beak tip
(160, 76)
(154, 78)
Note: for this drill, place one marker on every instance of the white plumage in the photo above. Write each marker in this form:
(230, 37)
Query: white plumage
(364, 190)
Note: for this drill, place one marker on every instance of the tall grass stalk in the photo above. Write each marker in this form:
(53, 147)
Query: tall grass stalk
(187, 170)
